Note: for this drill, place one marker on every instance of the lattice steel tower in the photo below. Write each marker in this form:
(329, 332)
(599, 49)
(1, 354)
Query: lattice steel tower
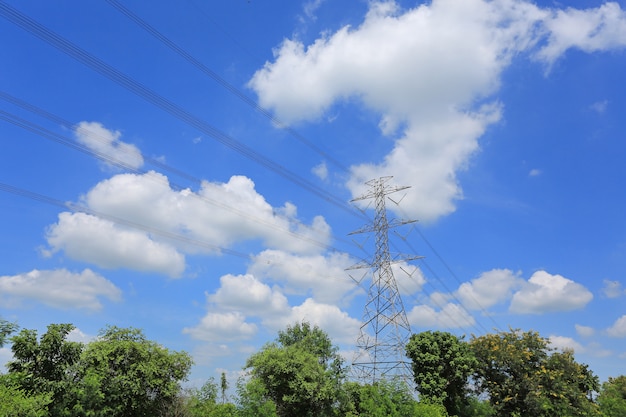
(385, 329)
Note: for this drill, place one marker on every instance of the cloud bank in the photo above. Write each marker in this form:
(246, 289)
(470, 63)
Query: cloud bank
(432, 73)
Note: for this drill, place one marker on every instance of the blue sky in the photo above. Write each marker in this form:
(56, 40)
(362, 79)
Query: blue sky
(194, 181)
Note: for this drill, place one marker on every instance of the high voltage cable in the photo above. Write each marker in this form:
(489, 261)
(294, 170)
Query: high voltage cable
(67, 47)
(16, 17)
(118, 220)
(82, 209)
(212, 74)
(72, 126)
(47, 134)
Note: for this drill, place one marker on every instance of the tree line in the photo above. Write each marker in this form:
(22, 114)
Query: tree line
(300, 374)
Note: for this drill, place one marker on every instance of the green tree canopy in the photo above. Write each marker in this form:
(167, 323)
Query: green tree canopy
(123, 374)
(6, 328)
(42, 366)
(300, 372)
(442, 364)
(612, 397)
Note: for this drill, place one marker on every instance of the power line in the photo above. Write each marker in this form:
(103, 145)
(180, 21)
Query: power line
(128, 223)
(47, 134)
(14, 16)
(221, 81)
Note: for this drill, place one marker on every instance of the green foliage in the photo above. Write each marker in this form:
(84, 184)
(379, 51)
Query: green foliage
(122, 374)
(612, 397)
(6, 328)
(478, 408)
(253, 399)
(202, 401)
(15, 402)
(301, 373)
(442, 364)
(524, 377)
(42, 367)
(385, 399)
(223, 387)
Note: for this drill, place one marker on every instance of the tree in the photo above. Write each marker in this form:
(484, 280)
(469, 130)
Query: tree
(14, 402)
(6, 328)
(301, 372)
(612, 397)
(42, 367)
(253, 399)
(122, 374)
(385, 398)
(223, 387)
(442, 364)
(523, 376)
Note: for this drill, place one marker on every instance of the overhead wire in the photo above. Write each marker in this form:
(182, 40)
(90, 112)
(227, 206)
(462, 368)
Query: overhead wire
(161, 102)
(221, 81)
(47, 134)
(40, 31)
(128, 223)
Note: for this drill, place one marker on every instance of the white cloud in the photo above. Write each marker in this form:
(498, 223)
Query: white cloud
(107, 144)
(77, 335)
(590, 30)
(6, 355)
(218, 214)
(431, 71)
(612, 289)
(584, 331)
(58, 288)
(565, 343)
(534, 172)
(549, 293)
(155, 224)
(222, 326)
(91, 239)
(618, 329)
(321, 171)
(341, 328)
(451, 316)
(248, 295)
(323, 276)
(490, 288)
(599, 106)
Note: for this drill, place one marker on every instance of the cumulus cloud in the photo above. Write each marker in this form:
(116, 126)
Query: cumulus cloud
(146, 225)
(565, 343)
(431, 72)
(337, 323)
(584, 331)
(591, 30)
(321, 171)
(612, 289)
(246, 294)
(222, 326)
(450, 316)
(107, 145)
(618, 329)
(490, 288)
(91, 239)
(323, 276)
(545, 292)
(219, 213)
(58, 288)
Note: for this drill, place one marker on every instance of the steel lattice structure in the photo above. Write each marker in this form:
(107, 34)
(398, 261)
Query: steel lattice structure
(385, 329)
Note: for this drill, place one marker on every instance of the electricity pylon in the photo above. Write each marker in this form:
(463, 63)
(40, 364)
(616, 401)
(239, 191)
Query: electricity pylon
(385, 329)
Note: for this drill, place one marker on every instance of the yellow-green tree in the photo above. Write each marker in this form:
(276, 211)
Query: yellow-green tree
(523, 376)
